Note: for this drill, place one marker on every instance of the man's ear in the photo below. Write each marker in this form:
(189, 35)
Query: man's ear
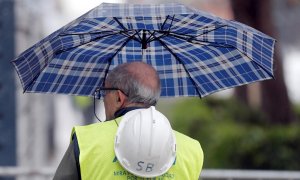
(120, 99)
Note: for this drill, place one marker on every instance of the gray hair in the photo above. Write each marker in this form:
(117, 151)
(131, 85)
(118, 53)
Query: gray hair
(133, 86)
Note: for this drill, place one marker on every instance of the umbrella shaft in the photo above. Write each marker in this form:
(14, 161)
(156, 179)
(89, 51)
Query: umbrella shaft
(144, 40)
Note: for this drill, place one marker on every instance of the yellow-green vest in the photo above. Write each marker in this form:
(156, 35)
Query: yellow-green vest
(98, 161)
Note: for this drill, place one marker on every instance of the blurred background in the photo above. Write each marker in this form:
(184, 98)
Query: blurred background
(254, 127)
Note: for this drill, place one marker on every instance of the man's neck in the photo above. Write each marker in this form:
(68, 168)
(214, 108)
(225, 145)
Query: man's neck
(124, 110)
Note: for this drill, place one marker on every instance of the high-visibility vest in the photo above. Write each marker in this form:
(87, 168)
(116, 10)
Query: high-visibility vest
(97, 158)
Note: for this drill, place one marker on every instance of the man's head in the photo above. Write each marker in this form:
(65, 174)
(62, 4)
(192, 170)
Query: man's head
(139, 84)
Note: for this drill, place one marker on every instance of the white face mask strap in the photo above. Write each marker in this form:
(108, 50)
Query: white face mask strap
(97, 96)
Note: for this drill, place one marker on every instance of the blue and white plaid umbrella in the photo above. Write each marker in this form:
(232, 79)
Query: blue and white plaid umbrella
(195, 53)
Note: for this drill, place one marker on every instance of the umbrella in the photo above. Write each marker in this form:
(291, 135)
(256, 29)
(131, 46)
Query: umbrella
(194, 53)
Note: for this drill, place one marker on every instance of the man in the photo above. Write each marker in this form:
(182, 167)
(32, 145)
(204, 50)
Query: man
(90, 155)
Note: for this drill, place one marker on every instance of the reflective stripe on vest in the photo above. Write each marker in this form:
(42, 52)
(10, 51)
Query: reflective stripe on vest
(98, 161)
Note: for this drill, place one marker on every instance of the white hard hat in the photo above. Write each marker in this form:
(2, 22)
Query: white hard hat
(145, 144)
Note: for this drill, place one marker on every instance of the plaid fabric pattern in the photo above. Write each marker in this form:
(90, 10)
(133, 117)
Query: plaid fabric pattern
(195, 53)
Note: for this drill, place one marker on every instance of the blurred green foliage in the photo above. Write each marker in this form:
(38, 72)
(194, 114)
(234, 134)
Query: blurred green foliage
(83, 101)
(234, 136)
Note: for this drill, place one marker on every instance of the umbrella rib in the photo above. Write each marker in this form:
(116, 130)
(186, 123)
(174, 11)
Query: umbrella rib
(156, 37)
(230, 46)
(171, 23)
(107, 35)
(120, 23)
(166, 21)
(60, 51)
(110, 60)
(151, 35)
(177, 58)
(261, 66)
(91, 32)
(204, 43)
(206, 32)
(138, 33)
(223, 46)
(126, 30)
(188, 37)
(164, 33)
(162, 26)
(133, 36)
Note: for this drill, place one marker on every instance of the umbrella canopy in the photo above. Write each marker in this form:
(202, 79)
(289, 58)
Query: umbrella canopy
(194, 53)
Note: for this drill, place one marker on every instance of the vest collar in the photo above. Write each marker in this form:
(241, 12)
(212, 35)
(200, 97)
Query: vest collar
(125, 110)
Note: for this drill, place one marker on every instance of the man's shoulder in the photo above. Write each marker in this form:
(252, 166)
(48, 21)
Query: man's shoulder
(106, 127)
(181, 136)
(86, 127)
(97, 125)
(188, 146)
